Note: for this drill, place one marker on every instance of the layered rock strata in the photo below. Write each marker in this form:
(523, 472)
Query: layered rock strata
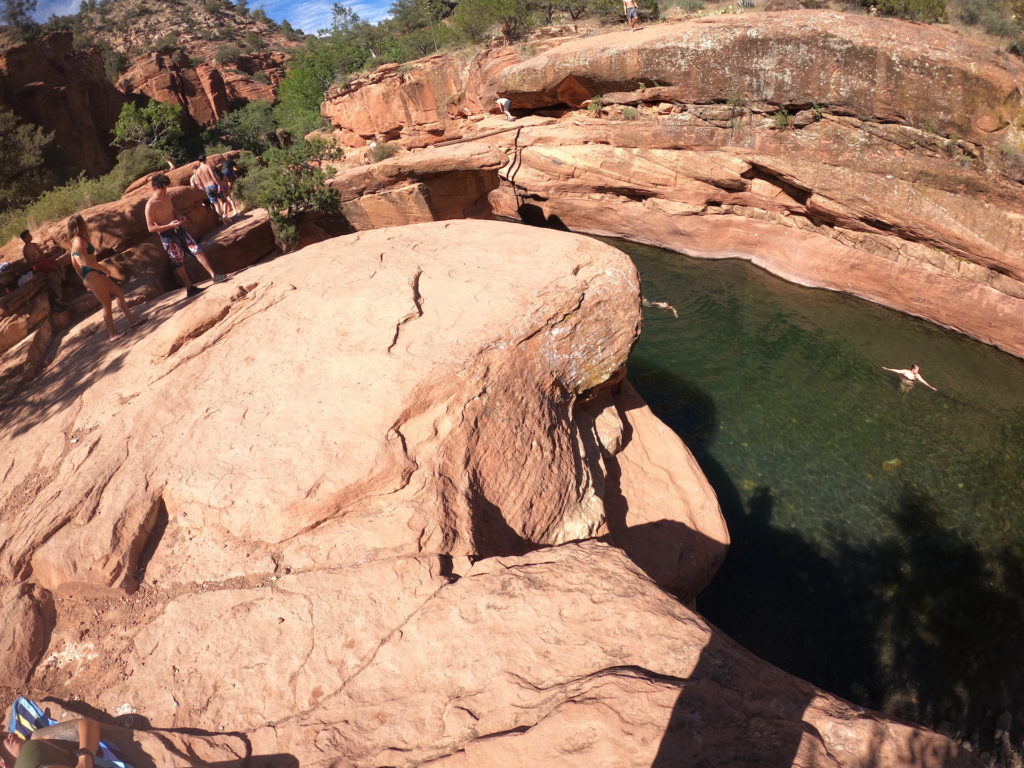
(864, 155)
(446, 183)
(422, 103)
(205, 92)
(298, 470)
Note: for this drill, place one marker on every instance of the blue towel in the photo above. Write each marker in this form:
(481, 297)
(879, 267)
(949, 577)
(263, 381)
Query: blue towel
(27, 716)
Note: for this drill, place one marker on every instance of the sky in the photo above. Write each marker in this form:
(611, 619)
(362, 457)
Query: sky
(308, 15)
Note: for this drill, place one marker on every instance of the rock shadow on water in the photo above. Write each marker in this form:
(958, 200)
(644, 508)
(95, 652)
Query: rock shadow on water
(921, 625)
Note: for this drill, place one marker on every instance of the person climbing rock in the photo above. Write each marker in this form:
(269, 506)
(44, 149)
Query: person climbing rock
(162, 219)
(211, 183)
(910, 375)
(505, 105)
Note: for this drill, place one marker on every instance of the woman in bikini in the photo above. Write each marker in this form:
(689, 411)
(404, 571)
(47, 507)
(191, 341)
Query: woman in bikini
(95, 277)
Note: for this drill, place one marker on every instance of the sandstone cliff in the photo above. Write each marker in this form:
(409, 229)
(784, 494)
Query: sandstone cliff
(66, 92)
(871, 156)
(349, 488)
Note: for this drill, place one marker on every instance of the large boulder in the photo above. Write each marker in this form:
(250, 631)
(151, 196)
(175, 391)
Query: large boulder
(348, 489)
(437, 184)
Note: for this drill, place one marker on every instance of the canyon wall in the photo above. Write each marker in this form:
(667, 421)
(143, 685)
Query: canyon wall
(870, 156)
(205, 92)
(65, 91)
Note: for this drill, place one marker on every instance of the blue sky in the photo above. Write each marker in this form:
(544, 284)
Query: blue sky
(307, 15)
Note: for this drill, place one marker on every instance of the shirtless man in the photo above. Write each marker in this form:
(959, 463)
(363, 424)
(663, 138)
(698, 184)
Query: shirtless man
(210, 182)
(632, 17)
(46, 265)
(908, 376)
(162, 219)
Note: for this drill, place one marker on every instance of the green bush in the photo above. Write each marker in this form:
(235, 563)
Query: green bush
(227, 53)
(155, 125)
(782, 119)
(82, 192)
(933, 11)
(291, 183)
(595, 104)
(383, 151)
(248, 127)
(630, 113)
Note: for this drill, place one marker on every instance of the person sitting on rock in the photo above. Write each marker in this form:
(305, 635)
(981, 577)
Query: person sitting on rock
(73, 744)
(43, 264)
(95, 277)
(908, 376)
(162, 219)
(211, 184)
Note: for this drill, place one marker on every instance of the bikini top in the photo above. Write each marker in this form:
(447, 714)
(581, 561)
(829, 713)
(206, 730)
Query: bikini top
(89, 249)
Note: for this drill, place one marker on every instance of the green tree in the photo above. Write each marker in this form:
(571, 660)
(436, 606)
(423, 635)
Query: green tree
(17, 14)
(155, 125)
(475, 18)
(260, 15)
(292, 183)
(247, 128)
(302, 90)
(226, 53)
(22, 171)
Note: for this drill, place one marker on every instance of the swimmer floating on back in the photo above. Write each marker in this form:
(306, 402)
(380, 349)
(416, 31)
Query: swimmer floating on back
(909, 375)
(661, 305)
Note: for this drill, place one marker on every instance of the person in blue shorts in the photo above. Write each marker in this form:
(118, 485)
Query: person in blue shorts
(211, 183)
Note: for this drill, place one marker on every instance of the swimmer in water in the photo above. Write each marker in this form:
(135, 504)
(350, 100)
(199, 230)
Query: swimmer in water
(908, 376)
(661, 305)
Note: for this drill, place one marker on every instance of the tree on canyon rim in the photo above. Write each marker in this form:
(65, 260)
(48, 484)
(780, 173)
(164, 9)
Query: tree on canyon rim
(22, 171)
(17, 15)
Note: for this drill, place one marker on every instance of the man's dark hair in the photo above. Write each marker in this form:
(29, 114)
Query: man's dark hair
(202, 158)
(25, 235)
(160, 181)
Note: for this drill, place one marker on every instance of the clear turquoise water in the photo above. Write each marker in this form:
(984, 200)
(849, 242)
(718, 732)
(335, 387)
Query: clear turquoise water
(878, 536)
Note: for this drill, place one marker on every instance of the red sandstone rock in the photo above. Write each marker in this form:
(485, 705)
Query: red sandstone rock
(24, 627)
(206, 93)
(821, 206)
(426, 97)
(307, 454)
(66, 92)
(433, 185)
(884, 68)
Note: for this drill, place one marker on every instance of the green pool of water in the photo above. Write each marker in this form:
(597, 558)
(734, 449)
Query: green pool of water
(878, 544)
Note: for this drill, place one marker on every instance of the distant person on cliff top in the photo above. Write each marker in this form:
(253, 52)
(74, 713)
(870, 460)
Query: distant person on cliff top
(632, 14)
(505, 105)
(908, 376)
(211, 182)
(162, 219)
(95, 276)
(45, 265)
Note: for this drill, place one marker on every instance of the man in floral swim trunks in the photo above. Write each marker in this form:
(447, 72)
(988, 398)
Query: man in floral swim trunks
(161, 218)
